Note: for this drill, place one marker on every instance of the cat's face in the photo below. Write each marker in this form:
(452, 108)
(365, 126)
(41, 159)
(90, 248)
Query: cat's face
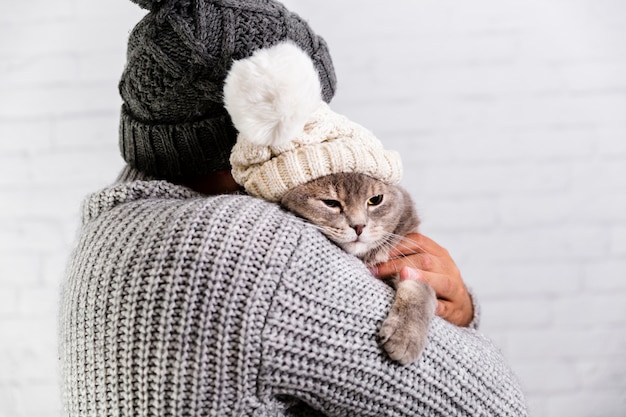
(357, 212)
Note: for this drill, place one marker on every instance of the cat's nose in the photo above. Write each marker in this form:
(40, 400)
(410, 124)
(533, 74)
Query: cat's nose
(358, 229)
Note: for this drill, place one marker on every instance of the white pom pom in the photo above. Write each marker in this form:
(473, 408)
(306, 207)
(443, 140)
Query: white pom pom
(271, 95)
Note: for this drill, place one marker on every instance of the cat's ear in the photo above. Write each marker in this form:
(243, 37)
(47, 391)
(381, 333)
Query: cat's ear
(272, 94)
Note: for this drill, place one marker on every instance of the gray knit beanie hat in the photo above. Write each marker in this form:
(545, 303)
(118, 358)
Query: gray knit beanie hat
(173, 121)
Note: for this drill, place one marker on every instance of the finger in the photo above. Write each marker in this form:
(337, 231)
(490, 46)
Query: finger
(458, 311)
(442, 284)
(442, 309)
(386, 269)
(445, 309)
(451, 312)
(394, 266)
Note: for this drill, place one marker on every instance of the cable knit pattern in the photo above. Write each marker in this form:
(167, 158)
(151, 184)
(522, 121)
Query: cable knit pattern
(329, 144)
(173, 122)
(176, 304)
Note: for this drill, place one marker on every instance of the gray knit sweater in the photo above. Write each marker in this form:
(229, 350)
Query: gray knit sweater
(178, 304)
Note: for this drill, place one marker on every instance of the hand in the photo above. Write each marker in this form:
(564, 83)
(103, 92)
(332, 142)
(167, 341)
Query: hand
(420, 258)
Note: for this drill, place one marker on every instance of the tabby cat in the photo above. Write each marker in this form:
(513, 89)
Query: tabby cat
(366, 218)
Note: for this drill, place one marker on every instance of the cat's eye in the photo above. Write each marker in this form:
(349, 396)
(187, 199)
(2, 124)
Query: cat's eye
(332, 203)
(376, 200)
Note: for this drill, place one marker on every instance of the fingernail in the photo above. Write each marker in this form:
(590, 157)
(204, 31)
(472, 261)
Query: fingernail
(409, 273)
(373, 270)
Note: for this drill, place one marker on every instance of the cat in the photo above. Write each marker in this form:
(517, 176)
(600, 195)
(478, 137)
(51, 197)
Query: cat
(367, 217)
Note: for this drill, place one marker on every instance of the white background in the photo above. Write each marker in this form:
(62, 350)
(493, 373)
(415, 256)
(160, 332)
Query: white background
(511, 119)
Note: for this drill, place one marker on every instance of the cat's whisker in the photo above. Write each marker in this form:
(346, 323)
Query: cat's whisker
(407, 259)
(403, 245)
(333, 232)
(308, 223)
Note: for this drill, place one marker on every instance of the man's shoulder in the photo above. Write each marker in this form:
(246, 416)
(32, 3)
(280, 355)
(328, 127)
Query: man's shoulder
(161, 204)
(159, 195)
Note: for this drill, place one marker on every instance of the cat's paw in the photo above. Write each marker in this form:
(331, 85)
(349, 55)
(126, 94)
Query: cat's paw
(402, 338)
(404, 331)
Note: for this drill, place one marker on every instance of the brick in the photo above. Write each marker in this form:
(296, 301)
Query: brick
(602, 207)
(523, 279)
(551, 144)
(606, 275)
(63, 36)
(48, 399)
(37, 11)
(30, 364)
(43, 202)
(590, 308)
(600, 174)
(8, 364)
(127, 12)
(89, 132)
(593, 76)
(466, 49)
(15, 170)
(540, 245)
(77, 167)
(105, 65)
(7, 398)
(554, 110)
(498, 178)
(23, 137)
(606, 12)
(31, 235)
(466, 214)
(609, 140)
(607, 403)
(603, 373)
(409, 18)
(500, 79)
(536, 404)
(8, 302)
(554, 39)
(38, 363)
(566, 342)
(35, 38)
(618, 240)
(58, 100)
(548, 376)
(587, 206)
(40, 302)
(40, 70)
(515, 313)
(537, 209)
(22, 334)
(502, 112)
(17, 267)
(54, 265)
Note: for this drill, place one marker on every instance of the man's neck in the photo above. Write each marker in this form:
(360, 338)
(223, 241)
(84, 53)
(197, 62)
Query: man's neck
(218, 182)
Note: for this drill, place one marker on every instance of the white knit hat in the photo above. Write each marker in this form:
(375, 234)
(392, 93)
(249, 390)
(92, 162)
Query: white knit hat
(288, 135)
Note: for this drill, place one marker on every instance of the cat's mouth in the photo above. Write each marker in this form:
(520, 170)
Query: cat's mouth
(356, 247)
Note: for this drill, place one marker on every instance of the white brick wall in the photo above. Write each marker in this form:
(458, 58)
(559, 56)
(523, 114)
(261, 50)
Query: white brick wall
(510, 115)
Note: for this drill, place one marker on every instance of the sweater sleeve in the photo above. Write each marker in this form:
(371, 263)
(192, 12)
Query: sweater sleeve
(178, 304)
(475, 323)
(320, 349)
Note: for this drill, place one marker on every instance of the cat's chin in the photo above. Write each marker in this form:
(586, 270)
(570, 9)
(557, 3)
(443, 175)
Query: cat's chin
(355, 248)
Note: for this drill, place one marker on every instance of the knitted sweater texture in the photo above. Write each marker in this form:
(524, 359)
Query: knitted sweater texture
(178, 304)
